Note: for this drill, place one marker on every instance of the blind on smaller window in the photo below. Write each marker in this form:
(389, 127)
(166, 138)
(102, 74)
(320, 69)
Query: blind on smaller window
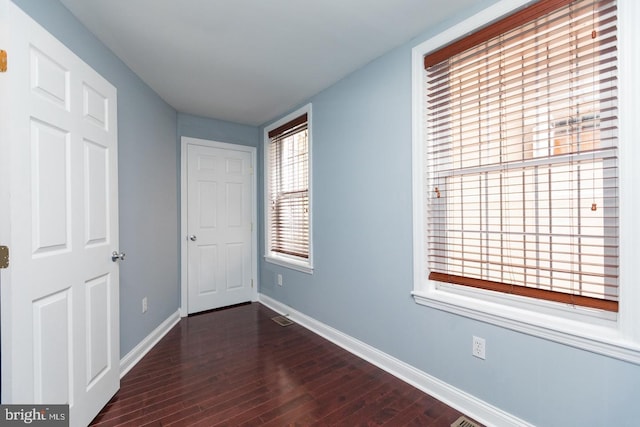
(288, 188)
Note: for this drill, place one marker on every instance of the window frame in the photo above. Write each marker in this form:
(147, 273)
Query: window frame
(283, 260)
(609, 333)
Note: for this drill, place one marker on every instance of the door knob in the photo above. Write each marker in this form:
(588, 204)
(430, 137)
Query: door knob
(193, 237)
(115, 256)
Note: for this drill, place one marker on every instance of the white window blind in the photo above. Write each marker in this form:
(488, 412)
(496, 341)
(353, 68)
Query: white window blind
(288, 189)
(521, 156)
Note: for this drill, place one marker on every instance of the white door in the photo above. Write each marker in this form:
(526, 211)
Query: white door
(219, 227)
(58, 215)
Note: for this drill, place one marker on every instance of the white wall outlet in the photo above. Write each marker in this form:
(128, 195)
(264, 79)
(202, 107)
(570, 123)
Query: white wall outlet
(479, 347)
(144, 305)
(279, 279)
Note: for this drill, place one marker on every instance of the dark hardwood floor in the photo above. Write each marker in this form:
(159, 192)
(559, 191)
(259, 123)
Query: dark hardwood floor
(237, 367)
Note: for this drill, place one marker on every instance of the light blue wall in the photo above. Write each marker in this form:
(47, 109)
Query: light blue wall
(362, 236)
(217, 130)
(147, 170)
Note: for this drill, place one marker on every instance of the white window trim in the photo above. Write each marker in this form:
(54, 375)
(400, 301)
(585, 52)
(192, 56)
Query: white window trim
(610, 334)
(305, 266)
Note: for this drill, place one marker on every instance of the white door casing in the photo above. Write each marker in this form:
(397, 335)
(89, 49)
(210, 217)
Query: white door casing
(218, 213)
(60, 294)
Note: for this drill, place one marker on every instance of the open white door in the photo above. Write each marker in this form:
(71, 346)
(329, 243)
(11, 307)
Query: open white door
(219, 236)
(58, 144)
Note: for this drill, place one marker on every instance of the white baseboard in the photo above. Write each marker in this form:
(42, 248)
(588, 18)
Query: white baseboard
(458, 399)
(138, 352)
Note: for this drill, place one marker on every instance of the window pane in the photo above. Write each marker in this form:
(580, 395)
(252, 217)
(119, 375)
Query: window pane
(289, 192)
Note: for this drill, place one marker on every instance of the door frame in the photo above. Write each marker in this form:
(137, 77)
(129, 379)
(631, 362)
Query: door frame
(185, 141)
(5, 217)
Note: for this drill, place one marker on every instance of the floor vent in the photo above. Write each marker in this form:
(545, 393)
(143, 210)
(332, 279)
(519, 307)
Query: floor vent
(464, 422)
(282, 320)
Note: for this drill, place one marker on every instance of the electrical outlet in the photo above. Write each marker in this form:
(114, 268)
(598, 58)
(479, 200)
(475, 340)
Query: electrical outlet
(279, 279)
(144, 305)
(479, 347)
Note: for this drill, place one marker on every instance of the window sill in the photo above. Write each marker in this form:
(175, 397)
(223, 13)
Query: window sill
(290, 263)
(592, 333)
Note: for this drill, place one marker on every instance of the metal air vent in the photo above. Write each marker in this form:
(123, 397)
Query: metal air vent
(464, 422)
(282, 320)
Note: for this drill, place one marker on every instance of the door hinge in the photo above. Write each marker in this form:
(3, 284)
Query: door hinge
(251, 283)
(3, 61)
(250, 171)
(4, 256)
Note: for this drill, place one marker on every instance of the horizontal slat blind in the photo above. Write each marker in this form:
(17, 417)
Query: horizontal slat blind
(521, 159)
(289, 188)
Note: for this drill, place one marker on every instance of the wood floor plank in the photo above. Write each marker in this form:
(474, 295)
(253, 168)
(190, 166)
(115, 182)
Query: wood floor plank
(236, 367)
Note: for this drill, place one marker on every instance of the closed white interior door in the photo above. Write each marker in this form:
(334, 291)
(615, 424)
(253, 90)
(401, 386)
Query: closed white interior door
(219, 227)
(60, 316)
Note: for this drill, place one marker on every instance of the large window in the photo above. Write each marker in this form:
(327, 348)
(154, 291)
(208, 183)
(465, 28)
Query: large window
(519, 175)
(288, 191)
(522, 158)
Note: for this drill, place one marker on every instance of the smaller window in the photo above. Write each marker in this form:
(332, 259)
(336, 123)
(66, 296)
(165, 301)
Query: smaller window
(288, 195)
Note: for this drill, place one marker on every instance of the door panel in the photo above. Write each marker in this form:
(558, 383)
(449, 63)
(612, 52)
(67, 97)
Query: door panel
(235, 268)
(49, 79)
(235, 208)
(95, 106)
(96, 181)
(52, 333)
(207, 192)
(98, 344)
(219, 186)
(50, 188)
(207, 280)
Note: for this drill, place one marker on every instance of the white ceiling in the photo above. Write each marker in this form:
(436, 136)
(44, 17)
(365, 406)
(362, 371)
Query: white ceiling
(249, 61)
